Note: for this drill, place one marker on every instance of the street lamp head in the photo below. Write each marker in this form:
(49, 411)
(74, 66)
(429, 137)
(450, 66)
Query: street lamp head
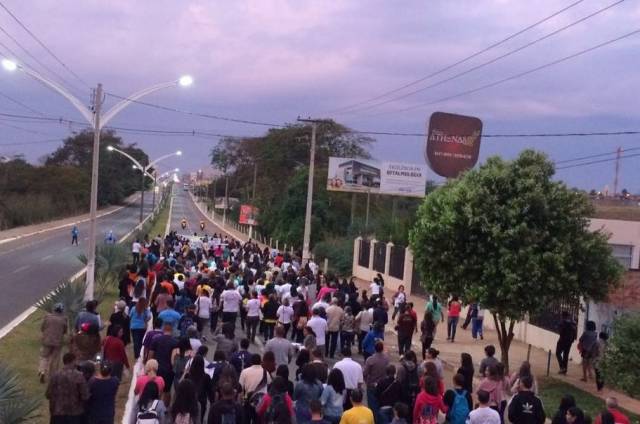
(176, 170)
(179, 152)
(9, 65)
(134, 167)
(110, 148)
(185, 80)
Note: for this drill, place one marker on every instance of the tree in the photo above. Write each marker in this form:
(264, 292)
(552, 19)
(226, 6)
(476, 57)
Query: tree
(622, 350)
(509, 237)
(16, 405)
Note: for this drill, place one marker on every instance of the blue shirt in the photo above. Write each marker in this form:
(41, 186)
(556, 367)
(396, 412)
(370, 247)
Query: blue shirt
(369, 342)
(170, 316)
(139, 321)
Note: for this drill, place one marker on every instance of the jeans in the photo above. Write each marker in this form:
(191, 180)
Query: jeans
(252, 325)
(372, 403)
(137, 335)
(201, 323)
(286, 328)
(268, 330)
(476, 327)
(330, 348)
(135, 257)
(562, 354)
(452, 325)
(404, 344)
(426, 344)
(213, 321)
(361, 335)
(346, 339)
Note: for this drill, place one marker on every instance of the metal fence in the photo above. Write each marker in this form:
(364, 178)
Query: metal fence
(364, 252)
(379, 256)
(551, 316)
(396, 262)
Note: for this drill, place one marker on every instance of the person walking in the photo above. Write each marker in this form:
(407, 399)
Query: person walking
(453, 316)
(375, 369)
(526, 407)
(114, 352)
(280, 346)
(435, 308)
(399, 298)
(74, 235)
(405, 327)
(484, 414)
(347, 329)
(567, 330)
(54, 327)
(358, 414)
(231, 300)
(136, 248)
(161, 348)
(334, 317)
(364, 319)
(103, 387)
(332, 397)
(67, 393)
(285, 315)
(352, 374)
(319, 327)
(427, 332)
(308, 388)
(253, 315)
(139, 319)
(588, 348)
(149, 405)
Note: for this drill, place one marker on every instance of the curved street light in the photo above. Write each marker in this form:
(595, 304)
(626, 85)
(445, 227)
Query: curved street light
(145, 172)
(97, 120)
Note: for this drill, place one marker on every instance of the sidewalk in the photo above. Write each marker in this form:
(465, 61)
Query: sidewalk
(450, 354)
(29, 230)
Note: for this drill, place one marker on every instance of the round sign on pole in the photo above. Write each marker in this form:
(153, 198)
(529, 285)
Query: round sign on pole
(453, 143)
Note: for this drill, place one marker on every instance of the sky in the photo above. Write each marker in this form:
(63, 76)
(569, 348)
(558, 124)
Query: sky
(274, 60)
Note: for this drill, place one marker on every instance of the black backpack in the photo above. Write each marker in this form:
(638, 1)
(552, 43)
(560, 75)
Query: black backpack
(413, 381)
(277, 412)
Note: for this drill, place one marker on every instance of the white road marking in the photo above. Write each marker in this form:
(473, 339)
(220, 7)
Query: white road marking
(20, 269)
(46, 257)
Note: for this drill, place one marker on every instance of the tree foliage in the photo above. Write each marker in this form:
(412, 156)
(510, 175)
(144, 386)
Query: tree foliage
(62, 185)
(510, 237)
(16, 406)
(623, 349)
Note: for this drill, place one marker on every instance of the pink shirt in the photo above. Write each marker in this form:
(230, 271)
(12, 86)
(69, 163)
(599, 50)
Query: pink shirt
(142, 381)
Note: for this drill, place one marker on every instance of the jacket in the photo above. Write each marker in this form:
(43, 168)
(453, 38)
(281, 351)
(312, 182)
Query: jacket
(54, 327)
(526, 408)
(427, 402)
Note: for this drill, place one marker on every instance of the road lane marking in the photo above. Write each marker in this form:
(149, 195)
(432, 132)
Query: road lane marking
(46, 257)
(20, 269)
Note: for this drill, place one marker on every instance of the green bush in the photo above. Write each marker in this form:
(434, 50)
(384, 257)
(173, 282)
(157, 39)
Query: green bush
(623, 350)
(339, 252)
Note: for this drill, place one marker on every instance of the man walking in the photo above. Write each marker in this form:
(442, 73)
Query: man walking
(281, 347)
(67, 393)
(54, 327)
(526, 407)
(375, 369)
(136, 247)
(568, 333)
(334, 317)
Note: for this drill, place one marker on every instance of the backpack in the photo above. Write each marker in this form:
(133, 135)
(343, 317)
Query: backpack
(148, 416)
(240, 360)
(139, 288)
(460, 409)
(413, 381)
(428, 415)
(185, 322)
(277, 412)
(228, 417)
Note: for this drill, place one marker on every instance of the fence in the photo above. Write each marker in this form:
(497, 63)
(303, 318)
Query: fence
(363, 253)
(379, 256)
(396, 262)
(551, 316)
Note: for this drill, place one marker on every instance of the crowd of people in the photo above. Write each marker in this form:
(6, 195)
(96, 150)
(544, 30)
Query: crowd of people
(262, 313)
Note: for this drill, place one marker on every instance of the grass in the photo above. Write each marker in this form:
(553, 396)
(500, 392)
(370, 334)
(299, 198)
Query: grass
(20, 349)
(552, 390)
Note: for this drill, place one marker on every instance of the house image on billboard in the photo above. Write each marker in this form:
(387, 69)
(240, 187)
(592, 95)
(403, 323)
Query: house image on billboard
(360, 174)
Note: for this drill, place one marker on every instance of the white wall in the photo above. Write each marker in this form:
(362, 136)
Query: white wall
(621, 232)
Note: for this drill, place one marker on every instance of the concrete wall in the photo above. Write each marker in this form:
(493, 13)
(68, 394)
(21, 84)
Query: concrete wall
(390, 283)
(621, 232)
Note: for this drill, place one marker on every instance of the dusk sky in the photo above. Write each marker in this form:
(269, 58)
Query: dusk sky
(274, 60)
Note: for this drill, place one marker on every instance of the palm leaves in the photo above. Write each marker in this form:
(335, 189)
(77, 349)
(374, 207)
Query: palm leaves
(70, 294)
(15, 405)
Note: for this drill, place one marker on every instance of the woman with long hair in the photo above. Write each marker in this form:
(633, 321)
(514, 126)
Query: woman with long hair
(201, 382)
(308, 388)
(185, 408)
(427, 332)
(139, 318)
(276, 405)
(524, 371)
(467, 370)
(149, 405)
(332, 397)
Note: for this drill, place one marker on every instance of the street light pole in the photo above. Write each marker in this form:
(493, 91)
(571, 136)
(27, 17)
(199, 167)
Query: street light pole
(93, 208)
(306, 242)
(142, 175)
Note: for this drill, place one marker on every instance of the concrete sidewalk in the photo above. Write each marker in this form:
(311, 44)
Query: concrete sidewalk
(450, 354)
(30, 230)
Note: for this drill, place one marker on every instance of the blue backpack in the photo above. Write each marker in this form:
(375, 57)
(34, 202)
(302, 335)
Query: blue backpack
(460, 409)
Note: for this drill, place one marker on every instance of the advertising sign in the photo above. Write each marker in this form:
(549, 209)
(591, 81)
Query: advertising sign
(453, 143)
(362, 175)
(248, 215)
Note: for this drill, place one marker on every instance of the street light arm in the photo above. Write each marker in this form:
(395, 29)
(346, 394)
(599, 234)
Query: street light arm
(132, 98)
(131, 158)
(86, 113)
(163, 158)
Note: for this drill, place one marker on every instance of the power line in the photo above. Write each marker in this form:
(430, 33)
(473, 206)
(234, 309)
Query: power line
(30, 109)
(597, 161)
(64, 65)
(596, 156)
(489, 62)
(20, 143)
(466, 59)
(23, 48)
(201, 115)
(519, 75)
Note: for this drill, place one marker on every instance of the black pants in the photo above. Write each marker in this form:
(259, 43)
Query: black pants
(404, 344)
(67, 419)
(268, 330)
(252, 325)
(74, 240)
(426, 344)
(213, 321)
(361, 335)
(136, 257)
(286, 329)
(346, 339)
(229, 317)
(599, 377)
(137, 335)
(562, 354)
(330, 347)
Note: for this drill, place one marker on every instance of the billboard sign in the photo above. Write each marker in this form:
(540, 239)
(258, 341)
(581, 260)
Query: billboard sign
(362, 176)
(248, 215)
(453, 143)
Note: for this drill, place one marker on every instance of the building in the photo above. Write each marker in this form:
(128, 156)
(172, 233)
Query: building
(359, 173)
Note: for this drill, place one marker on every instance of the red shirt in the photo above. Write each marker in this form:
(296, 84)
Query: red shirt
(266, 402)
(454, 309)
(618, 417)
(425, 399)
(114, 351)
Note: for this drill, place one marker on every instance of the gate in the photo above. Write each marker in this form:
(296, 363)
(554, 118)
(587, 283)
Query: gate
(364, 252)
(379, 256)
(396, 262)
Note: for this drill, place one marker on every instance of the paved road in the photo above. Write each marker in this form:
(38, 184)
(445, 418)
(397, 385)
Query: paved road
(183, 207)
(33, 266)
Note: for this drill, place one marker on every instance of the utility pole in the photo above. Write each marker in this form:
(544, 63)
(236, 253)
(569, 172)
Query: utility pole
(306, 242)
(142, 176)
(93, 209)
(155, 181)
(226, 200)
(615, 179)
(255, 177)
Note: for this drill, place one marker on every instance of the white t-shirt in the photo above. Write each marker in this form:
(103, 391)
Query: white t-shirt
(203, 305)
(319, 327)
(253, 308)
(135, 247)
(352, 372)
(483, 415)
(284, 314)
(231, 300)
(375, 289)
(400, 299)
(366, 319)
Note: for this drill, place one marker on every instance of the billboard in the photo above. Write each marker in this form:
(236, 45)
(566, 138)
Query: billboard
(362, 176)
(453, 143)
(248, 215)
